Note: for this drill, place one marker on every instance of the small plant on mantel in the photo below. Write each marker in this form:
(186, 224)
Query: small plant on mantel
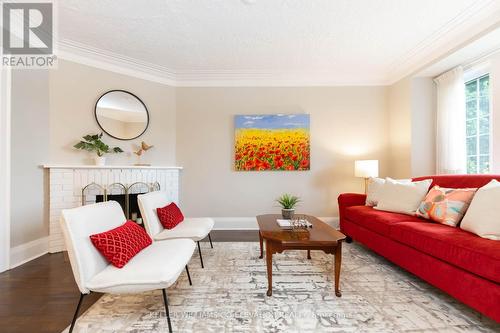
(93, 143)
(288, 203)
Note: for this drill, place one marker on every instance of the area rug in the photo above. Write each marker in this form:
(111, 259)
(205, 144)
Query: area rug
(229, 295)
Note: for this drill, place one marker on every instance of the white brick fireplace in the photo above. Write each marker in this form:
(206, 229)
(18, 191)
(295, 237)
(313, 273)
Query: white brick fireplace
(66, 183)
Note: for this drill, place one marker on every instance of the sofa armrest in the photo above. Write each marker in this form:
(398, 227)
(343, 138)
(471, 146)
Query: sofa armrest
(347, 200)
(351, 199)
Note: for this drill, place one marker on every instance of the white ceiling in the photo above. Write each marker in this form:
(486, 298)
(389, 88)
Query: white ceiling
(270, 42)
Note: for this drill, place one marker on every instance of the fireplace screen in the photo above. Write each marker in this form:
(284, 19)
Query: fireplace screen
(126, 196)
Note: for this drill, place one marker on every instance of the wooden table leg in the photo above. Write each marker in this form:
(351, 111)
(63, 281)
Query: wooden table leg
(261, 240)
(338, 261)
(308, 254)
(269, 261)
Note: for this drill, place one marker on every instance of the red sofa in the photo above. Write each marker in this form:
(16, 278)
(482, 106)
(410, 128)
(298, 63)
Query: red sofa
(458, 262)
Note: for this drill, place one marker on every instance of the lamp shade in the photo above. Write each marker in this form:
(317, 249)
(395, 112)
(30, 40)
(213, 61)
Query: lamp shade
(366, 168)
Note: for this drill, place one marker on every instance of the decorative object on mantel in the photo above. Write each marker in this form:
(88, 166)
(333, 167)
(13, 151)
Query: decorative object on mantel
(272, 142)
(122, 115)
(288, 203)
(144, 148)
(93, 143)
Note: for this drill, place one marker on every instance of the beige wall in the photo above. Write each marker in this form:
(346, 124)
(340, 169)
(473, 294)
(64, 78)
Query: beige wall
(423, 127)
(347, 123)
(495, 93)
(74, 90)
(29, 148)
(412, 118)
(399, 108)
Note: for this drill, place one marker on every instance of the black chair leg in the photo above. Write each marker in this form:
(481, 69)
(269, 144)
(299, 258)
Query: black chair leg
(189, 276)
(210, 239)
(76, 313)
(199, 251)
(166, 309)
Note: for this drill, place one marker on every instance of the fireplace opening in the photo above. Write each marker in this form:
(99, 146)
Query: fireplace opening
(131, 209)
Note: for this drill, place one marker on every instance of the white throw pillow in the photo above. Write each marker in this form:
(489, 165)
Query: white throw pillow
(374, 189)
(402, 197)
(483, 215)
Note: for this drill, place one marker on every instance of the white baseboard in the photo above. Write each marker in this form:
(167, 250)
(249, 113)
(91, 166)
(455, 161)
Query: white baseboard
(23, 253)
(250, 223)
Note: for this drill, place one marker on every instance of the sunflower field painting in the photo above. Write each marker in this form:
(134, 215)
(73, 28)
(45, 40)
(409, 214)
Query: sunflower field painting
(272, 142)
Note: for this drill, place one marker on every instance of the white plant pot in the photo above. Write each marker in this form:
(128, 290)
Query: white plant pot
(100, 161)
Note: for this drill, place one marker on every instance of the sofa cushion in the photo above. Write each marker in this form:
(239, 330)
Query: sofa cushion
(460, 181)
(156, 267)
(453, 245)
(195, 228)
(376, 220)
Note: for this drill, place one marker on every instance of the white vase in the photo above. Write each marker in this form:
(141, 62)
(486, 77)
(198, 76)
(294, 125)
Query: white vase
(100, 160)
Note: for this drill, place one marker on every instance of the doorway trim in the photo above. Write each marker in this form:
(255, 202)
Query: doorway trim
(5, 130)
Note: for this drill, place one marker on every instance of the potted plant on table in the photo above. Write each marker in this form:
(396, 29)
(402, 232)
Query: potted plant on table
(288, 203)
(93, 143)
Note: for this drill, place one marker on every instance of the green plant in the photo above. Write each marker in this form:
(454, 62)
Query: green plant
(93, 143)
(288, 201)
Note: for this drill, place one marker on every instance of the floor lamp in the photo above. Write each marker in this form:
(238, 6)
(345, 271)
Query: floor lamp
(366, 169)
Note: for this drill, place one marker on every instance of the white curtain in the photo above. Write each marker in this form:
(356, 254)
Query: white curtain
(450, 123)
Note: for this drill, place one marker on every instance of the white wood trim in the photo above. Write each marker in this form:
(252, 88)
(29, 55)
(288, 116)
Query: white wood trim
(69, 166)
(116, 63)
(451, 37)
(5, 100)
(23, 253)
(477, 70)
(250, 223)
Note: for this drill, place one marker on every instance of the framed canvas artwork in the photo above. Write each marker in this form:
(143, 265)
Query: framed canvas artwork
(272, 142)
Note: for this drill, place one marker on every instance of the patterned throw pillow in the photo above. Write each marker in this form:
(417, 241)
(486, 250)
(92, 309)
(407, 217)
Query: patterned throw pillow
(170, 216)
(121, 244)
(446, 205)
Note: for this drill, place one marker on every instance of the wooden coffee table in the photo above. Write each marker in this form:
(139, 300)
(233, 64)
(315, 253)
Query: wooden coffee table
(320, 237)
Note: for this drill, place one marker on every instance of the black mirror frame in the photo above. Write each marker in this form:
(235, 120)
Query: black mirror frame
(127, 92)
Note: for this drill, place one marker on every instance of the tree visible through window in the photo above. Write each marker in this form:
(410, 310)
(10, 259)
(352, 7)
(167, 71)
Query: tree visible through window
(477, 96)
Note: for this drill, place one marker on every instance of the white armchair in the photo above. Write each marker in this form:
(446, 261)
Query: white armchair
(156, 267)
(196, 228)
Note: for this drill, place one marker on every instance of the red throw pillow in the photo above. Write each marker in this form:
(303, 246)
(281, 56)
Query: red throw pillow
(121, 244)
(170, 216)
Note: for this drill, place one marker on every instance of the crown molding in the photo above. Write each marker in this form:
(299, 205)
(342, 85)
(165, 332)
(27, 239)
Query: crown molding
(249, 78)
(472, 23)
(94, 57)
(452, 36)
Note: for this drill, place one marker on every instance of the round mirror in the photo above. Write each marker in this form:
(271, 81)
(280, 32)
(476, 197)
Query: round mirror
(121, 115)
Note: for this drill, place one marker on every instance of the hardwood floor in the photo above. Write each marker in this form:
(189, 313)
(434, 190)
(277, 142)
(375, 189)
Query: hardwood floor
(41, 295)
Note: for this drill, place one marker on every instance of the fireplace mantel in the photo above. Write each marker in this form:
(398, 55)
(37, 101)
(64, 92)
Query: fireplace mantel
(69, 166)
(67, 181)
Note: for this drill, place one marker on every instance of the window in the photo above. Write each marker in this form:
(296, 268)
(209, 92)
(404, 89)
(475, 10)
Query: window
(478, 127)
